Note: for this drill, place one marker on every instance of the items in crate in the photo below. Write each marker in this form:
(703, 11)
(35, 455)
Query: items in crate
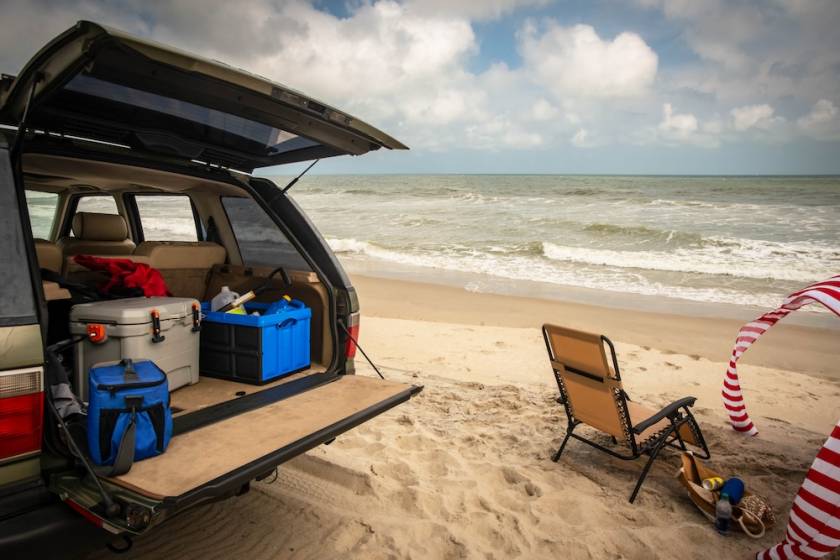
(162, 329)
(223, 299)
(129, 418)
(256, 348)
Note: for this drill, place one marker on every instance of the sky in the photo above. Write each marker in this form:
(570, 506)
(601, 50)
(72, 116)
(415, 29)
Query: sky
(522, 86)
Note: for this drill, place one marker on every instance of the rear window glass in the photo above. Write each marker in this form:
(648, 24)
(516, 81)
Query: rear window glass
(103, 204)
(166, 218)
(41, 207)
(268, 140)
(260, 241)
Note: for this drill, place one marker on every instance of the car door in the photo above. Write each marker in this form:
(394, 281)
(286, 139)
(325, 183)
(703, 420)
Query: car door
(21, 345)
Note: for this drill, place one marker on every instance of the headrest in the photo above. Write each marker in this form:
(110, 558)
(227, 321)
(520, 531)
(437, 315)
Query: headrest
(92, 226)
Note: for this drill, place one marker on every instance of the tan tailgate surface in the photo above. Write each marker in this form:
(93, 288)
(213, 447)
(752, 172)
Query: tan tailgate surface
(197, 457)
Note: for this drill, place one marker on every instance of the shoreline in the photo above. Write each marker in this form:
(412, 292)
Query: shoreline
(790, 345)
(613, 299)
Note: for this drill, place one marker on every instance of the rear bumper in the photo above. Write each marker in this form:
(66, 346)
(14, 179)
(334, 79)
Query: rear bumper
(51, 531)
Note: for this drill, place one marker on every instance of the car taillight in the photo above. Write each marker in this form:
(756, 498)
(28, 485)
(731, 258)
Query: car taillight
(353, 329)
(21, 412)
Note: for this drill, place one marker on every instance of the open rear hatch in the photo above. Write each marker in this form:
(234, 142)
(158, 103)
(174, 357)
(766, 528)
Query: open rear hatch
(102, 84)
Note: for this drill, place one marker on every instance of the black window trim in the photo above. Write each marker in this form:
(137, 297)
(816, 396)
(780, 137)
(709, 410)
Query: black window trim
(230, 226)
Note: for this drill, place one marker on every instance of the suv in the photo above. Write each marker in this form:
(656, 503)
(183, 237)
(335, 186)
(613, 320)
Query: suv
(115, 146)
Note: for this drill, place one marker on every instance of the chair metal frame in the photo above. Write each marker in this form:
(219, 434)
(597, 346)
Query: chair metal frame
(677, 413)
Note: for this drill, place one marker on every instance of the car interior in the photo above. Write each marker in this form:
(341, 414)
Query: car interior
(108, 210)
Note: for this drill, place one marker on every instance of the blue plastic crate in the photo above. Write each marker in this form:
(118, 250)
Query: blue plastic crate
(255, 349)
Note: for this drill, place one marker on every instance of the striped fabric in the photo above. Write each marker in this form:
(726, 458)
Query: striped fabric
(826, 293)
(813, 529)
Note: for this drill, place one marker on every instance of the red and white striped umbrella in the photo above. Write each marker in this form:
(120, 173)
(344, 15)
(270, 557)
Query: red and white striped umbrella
(814, 524)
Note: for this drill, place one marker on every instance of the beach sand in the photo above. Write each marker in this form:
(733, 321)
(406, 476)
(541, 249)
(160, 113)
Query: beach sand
(463, 470)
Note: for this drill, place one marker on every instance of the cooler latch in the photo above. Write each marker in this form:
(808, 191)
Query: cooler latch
(196, 316)
(156, 336)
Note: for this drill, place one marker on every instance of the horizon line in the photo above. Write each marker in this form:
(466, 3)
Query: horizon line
(754, 175)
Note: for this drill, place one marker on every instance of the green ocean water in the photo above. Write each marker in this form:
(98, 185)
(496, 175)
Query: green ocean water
(743, 240)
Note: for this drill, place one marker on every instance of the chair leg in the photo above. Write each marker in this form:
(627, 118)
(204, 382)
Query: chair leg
(563, 445)
(702, 441)
(680, 440)
(654, 452)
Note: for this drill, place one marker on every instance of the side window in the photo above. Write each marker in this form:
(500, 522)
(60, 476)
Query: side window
(41, 207)
(166, 217)
(103, 204)
(260, 241)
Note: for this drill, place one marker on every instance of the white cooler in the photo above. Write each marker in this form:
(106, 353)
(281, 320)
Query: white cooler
(129, 326)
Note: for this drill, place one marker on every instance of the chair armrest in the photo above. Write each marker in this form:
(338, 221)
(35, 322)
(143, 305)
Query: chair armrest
(666, 412)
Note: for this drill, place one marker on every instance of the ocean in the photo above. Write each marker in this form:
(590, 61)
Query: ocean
(727, 240)
(730, 240)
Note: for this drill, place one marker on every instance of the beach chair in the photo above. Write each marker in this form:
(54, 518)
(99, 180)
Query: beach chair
(591, 392)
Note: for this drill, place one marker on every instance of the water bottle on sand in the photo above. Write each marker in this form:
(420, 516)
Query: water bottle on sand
(723, 514)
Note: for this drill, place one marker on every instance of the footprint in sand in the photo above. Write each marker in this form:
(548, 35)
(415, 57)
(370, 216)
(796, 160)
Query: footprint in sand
(673, 365)
(515, 478)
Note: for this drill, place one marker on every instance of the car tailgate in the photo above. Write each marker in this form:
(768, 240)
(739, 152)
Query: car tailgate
(239, 448)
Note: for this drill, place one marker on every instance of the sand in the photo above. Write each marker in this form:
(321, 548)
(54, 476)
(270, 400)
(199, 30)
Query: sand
(464, 470)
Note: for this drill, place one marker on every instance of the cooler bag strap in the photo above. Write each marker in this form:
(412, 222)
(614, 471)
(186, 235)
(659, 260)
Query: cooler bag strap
(125, 451)
(129, 373)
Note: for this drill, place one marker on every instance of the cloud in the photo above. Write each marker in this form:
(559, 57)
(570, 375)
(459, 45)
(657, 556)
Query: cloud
(822, 121)
(682, 128)
(471, 9)
(575, 61)
(581, 139)
(500, 133)
(753, 116)
(542, 110)
(436, 75)
(778, 49)
(716, 30)
(677, 125)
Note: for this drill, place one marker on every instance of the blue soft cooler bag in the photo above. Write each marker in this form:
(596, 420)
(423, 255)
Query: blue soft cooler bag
(129, 418)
